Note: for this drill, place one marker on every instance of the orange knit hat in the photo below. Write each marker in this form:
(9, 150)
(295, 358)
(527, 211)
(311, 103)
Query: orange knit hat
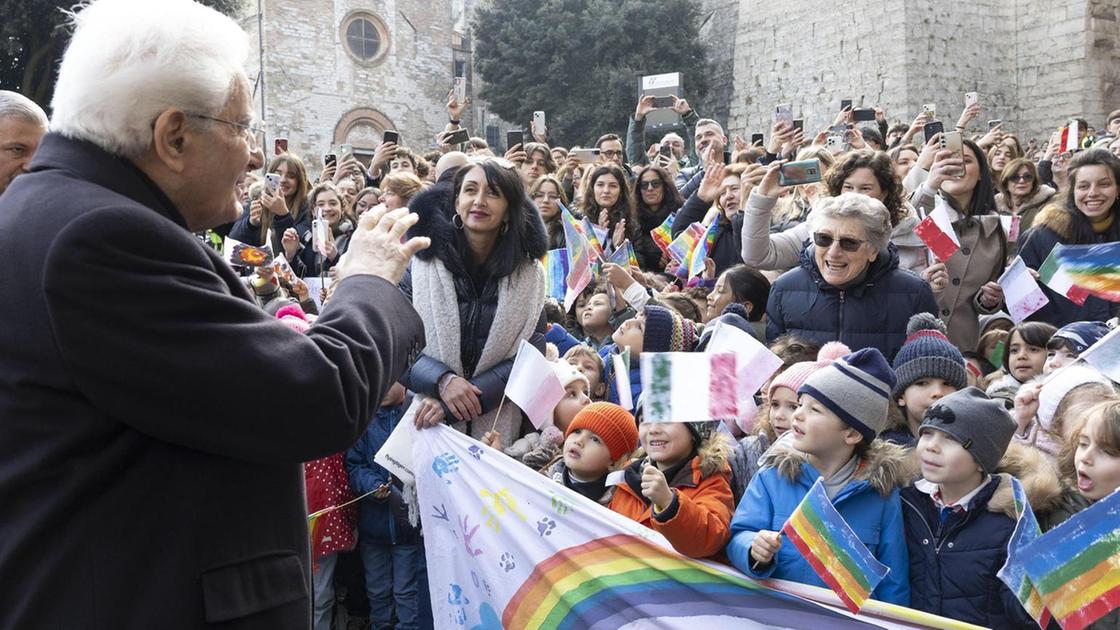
(613, 424)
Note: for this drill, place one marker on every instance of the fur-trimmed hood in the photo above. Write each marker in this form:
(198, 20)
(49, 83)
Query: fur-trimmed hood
(886, 466)
(434, 207)
(1057, 218)
(1035, 472)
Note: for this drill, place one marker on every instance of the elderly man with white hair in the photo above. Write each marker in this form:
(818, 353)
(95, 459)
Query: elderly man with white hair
(152, 418)
(22, 125)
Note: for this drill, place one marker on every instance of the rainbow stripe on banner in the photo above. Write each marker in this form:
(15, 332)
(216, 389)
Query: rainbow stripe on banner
(702, 249)
(555, 263)
(663, 234)
(689, 386)
(1096, 268)
(622, 579)
(833, 550)
(1076, 565)
(1013, 574)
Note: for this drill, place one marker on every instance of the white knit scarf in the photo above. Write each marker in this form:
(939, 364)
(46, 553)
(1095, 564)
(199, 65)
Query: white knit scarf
(520, 302)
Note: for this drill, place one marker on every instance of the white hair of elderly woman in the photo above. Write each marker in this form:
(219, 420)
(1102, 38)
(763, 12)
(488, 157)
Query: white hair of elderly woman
(16, 105)
(130, 60)
(870, 212)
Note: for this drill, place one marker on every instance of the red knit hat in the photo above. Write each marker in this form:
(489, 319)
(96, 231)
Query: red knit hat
(613, 424)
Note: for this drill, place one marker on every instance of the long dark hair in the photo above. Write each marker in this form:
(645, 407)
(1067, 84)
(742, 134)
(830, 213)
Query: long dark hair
(748, 285)
(983, 199)
(1082, 228)
(671, 200)
(523, 240)
(623, 209)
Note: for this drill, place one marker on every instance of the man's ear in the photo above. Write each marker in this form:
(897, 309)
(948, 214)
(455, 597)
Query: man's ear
(169, 139)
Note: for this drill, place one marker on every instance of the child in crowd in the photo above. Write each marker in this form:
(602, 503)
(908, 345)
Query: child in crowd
(599, 321)
(928, 366)
(1070, 341)
(1026, 353)
(656, 329)
(988, 344)
(537, 448)
(959, 516)
(585, 359)
(391, 546)
(842, 408)
(680, 486)
(598, 441)
(1046, 413)
(775, 416)
(1089, 465)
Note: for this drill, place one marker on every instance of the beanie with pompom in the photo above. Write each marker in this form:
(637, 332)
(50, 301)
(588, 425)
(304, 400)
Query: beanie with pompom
(928, 353)
(794, 376)
(293, 317)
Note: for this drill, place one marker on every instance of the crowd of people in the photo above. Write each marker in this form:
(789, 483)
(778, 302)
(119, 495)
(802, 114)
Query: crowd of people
(904, 385)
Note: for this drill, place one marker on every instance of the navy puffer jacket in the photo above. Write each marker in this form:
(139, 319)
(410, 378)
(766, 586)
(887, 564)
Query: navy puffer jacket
(953, 563)
(871, 314)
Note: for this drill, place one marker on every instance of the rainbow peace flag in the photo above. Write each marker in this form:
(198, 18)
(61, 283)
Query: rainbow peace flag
(833, 550)
(1095, 268)
(682, 246)
(624, 255)
(663, 234)
(510, 549)
(1054, 275)
(702, 249)
(1076, 565)
(555, 263)
(579, 258)
(689, 386)
(595, 237)
(1013, 574)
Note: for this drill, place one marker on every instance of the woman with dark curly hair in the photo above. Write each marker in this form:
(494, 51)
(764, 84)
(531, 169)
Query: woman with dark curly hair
(867, 172)
(656, 198)
(608, 201)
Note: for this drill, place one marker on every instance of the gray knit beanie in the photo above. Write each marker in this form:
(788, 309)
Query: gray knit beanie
(856, 387)
(980, 424)
(927, 353)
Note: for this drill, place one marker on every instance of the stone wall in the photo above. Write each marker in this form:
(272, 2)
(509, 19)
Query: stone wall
(1035, 62)
(319, 95)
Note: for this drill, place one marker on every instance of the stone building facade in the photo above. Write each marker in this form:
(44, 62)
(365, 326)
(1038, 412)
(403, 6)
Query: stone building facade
(345, 71)
(1034, 62)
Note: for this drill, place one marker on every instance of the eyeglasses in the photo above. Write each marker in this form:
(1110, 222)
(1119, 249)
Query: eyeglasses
(610, 154)
(1021, 177)
(847, 244)
(253, 133)
(652, 184)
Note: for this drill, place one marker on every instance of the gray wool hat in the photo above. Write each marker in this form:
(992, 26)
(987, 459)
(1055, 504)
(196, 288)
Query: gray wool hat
(980, 424)
(857, 388)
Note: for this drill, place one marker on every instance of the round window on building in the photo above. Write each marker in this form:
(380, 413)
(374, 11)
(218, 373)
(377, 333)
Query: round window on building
(365, 37)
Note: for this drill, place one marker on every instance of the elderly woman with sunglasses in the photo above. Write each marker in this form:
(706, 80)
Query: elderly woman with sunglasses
(1021, 192)
(848, 286)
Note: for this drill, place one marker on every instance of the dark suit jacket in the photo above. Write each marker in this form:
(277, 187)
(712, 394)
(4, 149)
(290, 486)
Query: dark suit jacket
(153, 419)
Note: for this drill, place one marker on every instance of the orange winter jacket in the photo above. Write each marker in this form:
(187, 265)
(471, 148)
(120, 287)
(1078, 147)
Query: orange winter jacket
(697, 523)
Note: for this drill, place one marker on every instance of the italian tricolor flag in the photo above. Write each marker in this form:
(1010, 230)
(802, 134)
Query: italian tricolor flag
(1054, 276)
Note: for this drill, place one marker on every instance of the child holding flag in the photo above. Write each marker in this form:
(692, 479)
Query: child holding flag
(960, 515)
(927, 367)
(842, 408)
(680, 487)
(656, 329)
(598, 441)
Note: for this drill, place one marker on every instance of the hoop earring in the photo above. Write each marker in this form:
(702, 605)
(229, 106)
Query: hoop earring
(505, 228)
(457, 221)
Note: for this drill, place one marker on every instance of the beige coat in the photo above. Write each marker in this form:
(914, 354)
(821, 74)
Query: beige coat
(980, 260)
(1030, 207)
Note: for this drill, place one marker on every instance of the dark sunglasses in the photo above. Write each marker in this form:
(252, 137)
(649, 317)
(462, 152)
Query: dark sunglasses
(652, 184)
(1022, 177)
(847, 244)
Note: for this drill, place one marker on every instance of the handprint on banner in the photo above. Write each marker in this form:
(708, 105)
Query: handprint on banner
(475, 452)
(445, 464)
(468, 535)
(502, 501)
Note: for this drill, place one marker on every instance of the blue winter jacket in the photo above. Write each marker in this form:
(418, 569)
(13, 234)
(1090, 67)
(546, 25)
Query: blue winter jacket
(871, 314)
(953, 562)
(869, 503)
(383, 521)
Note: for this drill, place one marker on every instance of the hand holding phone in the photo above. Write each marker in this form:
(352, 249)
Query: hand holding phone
(391, 137)
(932, 128)
(797, 173)
(664, 102)
(514, 138)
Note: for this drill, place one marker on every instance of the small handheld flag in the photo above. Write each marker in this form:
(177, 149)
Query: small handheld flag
(682, 246)
(1096, 268)
(533, 385)
(1020, 291)
(834, 551)
(555, 263)
(663, 234)
(1053, 274)
(937, 232)
(579, 259)
(689, 387)
(1013, 574)
(702, 249)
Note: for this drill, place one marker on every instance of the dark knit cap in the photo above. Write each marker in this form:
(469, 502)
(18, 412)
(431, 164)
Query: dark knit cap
(980, 424)
(928, 353)
(667, 331)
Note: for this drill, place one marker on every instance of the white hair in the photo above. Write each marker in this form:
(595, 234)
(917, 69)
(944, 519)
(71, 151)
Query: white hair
(16, 105)
(130, 60)
(870, 212)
